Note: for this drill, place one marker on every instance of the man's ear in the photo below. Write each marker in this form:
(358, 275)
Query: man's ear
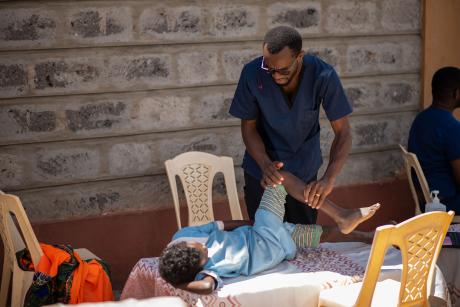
(301, 53)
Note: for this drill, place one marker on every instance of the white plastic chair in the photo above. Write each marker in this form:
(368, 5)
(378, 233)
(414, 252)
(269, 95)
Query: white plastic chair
(411, 162)
(196, 171)
(13, 242)
(420, 240)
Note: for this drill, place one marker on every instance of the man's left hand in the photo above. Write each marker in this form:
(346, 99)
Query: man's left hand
(316, 192)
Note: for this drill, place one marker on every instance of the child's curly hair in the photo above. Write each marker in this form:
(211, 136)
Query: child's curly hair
(179, 263)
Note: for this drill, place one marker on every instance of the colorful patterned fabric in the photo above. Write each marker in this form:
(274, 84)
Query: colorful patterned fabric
(54, 276)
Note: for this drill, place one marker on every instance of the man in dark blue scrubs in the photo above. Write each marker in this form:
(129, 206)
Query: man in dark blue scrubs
(435, 138)
(278, 100)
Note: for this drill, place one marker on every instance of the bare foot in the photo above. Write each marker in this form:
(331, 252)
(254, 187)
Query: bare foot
(349, 221)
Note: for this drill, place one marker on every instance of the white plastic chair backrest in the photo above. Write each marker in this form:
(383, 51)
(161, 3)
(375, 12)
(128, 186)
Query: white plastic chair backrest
(196, 171)
(13, 242)
(420, 240)
(11, 237)
(411, 162)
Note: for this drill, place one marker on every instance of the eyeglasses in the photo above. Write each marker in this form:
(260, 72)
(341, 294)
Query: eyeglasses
(281, 71)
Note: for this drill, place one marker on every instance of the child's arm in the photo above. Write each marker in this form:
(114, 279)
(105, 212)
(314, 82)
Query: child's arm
(202, 287)
(230, 225)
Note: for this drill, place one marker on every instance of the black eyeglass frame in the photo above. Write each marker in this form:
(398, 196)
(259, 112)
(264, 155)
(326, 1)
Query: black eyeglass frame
(282, 71)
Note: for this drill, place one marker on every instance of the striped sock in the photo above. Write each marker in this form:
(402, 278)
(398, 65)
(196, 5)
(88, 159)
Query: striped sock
(273, 200)
(307, 235)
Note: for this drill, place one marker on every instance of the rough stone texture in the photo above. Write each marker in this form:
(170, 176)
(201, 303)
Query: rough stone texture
(22, 27)
(234, 21)
(171, 23)
(305, 16)
(197, 67)
(95, 116)
(234, 60)
(351, 17)
(58, 76)
(162, 113)
(383, 57)
(11, 171)
(58, 165)
(115, 90)
(401, 15)
(100, 24)
(369, 95)
(13, 80)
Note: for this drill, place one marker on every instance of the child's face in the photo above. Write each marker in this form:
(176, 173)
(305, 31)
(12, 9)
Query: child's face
(202, 249)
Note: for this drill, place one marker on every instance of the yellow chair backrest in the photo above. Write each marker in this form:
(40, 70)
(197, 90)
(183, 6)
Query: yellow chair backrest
(196, 171)
(411, 162)
(420, 240)
(13, 242)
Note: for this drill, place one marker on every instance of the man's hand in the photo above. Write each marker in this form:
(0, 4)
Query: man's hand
(271, 175)
(317, 191)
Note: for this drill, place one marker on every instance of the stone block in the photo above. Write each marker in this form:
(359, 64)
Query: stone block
(197, 67)
(370, 167)
(11, 170)
(350, 17)
(25, 120)
(401, 15)
(171, 23)
(27, 27)
(100, 24)
(378, 94)
(234, 60)
(212, 109)
(55, 75)
(384, 56)
(383, 130)
(304, 16)
(62, 164)
(164, 112)
(13, 79)
(139, 71)
(96, 116)
(96, 198)
(131, 159)
(328, 54)
(234, 21)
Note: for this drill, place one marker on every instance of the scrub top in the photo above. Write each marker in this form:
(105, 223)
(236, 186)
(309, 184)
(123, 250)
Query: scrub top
(290, 134)
(434, 138)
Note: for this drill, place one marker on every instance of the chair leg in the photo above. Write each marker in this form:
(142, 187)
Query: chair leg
(17, 295)
(6, 279)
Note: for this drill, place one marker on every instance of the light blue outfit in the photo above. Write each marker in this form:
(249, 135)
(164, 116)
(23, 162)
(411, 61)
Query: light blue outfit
(249, 250)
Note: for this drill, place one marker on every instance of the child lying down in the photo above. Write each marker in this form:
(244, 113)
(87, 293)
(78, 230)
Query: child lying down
(199, 256)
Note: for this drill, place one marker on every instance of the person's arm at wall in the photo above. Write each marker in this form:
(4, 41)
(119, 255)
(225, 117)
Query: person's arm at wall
(455, 164)
(256, 148)
(338, 154)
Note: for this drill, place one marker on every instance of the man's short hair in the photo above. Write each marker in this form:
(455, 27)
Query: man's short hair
(445, 81)
(278, 38)
(179, 263)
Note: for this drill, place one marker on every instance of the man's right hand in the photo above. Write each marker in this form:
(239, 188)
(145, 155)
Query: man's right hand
(271, 175)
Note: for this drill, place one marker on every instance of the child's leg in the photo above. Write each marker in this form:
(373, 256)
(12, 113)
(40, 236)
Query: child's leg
(334, 234)
(271, 208)
(347, 219)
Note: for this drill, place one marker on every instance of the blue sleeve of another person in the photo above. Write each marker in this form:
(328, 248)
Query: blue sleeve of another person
(244, 104)
(453, 143)
(335, 103)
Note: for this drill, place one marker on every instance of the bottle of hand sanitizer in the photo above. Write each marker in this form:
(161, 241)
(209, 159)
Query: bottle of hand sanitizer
(435, 205)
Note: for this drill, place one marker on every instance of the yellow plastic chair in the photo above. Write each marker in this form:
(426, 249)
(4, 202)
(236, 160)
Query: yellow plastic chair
(411, 162)
(420, 240)
(196, 171)
(13, 242)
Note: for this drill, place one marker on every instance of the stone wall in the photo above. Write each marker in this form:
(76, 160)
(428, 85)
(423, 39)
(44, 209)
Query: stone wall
(96, 95)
